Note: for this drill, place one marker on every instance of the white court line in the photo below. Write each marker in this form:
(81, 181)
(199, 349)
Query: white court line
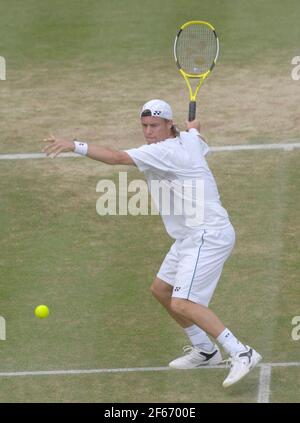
(83, 371)
(24, 156)
(264, 383)
(264, 378)
(125, 370)
(290, 364)
(286, 147)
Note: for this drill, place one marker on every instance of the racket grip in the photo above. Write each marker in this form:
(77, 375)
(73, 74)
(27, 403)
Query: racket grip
(192, 111)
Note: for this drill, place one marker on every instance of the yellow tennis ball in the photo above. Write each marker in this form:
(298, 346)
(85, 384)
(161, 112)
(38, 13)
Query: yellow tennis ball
(41, 311)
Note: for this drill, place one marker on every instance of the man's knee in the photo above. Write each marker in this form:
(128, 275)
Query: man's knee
(161, 290)
(179, 306)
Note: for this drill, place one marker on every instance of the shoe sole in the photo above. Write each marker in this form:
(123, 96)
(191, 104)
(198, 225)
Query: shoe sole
(213, 361)
(196, 367)
(230, 383)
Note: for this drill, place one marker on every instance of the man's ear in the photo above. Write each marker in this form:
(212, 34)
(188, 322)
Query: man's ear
(170, 124)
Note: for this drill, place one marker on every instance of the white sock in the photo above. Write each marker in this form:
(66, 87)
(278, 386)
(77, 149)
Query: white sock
(230, 343)
(199, 338)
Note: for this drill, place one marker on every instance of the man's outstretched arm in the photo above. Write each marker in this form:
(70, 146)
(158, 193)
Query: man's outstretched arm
(55, 146)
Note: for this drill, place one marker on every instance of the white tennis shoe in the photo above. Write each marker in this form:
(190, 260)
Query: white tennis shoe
(196, 357)
(241, 364)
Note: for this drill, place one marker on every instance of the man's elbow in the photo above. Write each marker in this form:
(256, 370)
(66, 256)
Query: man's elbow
(123, 158)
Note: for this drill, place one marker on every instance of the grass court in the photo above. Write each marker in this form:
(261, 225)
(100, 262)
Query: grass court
(83, 69)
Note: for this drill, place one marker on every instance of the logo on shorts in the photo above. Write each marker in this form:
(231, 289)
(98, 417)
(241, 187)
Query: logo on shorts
(177, 288)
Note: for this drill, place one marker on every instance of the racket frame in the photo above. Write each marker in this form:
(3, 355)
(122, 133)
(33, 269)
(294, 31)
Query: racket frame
(200, 76)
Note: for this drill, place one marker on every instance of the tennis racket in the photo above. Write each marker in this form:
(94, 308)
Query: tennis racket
(196, 49)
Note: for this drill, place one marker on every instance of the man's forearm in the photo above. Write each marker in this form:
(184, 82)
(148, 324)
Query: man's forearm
(108, 155)
(103, 154)
(95, 152)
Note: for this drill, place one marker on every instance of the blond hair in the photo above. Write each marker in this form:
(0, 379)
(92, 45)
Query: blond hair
(174, 130)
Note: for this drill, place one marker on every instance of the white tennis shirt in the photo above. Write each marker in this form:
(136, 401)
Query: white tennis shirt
(181, 184)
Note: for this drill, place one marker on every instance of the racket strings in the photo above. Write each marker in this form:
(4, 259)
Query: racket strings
(196, 49)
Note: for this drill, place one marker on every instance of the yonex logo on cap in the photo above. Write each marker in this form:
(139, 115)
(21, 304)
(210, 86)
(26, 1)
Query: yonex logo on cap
(157, 108)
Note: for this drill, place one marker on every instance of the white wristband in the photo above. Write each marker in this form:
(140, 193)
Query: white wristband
(80, 147)
(193, 130)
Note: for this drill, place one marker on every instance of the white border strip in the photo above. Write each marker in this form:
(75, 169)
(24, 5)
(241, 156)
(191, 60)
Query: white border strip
(83, 371)
(130, 369)
(21, 156)
(264, 383)
(285, 147)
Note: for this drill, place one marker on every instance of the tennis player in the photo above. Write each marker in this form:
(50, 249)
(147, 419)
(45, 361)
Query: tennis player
(190, 272)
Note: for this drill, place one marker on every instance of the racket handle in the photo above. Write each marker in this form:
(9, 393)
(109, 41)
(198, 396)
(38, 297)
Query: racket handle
(192, 111)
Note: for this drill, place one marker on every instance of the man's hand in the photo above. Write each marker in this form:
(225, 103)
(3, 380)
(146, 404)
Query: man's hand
(57, 145)
(193, 124)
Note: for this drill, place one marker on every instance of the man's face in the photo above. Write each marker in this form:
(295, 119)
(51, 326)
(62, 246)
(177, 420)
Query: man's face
(156, 129)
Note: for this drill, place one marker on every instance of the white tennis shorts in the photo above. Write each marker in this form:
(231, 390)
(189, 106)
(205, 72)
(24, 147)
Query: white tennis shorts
(193, 265)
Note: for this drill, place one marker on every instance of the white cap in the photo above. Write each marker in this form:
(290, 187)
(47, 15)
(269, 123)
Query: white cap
(158, 108)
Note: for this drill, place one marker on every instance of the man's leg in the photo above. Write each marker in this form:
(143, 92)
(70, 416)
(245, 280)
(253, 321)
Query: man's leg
(198, 314)
(203, 350)
(243, 359)
(162, 291)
